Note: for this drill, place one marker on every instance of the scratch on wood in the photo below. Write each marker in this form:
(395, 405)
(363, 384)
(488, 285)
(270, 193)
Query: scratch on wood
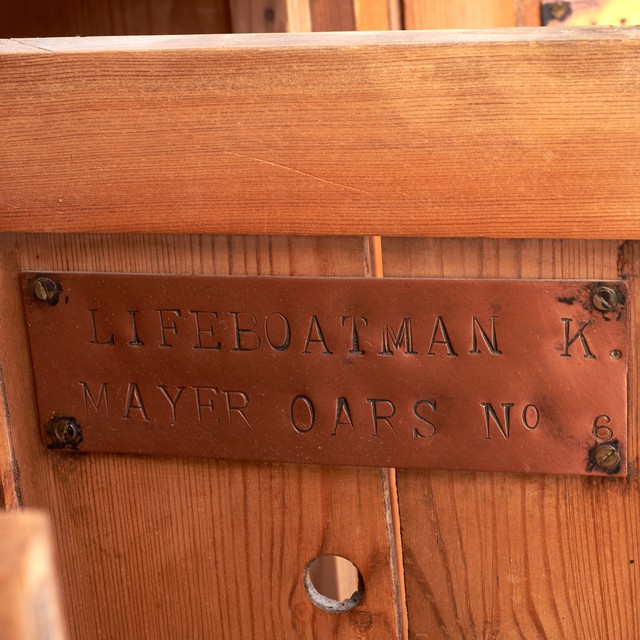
(32, 46)
(302, 173)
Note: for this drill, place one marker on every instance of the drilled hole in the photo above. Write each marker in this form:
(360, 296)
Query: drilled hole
(333, 583)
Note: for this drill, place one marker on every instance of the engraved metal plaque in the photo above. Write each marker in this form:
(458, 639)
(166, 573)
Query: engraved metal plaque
(521, 376)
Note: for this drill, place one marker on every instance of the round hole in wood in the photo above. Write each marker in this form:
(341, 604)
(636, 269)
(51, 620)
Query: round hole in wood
(333, 583)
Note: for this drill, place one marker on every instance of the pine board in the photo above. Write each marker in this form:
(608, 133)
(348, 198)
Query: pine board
(514, 556)
(505, 133)
(183, 548)
(459, 14)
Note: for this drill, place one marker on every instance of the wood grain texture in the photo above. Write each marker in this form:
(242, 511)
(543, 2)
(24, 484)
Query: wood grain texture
(182, 548)
(332, 15)
(506, 556)
(270, 16)
(42, 19)
(376, 15)
(528, 13)
(30, 606)
(516, 133)
(355, 15)
(459, 14)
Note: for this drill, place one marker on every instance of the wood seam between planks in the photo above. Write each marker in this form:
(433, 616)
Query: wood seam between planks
(9, 471)
(374, 269)
(9, 482)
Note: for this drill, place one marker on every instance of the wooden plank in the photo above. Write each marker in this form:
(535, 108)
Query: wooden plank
(29, 594)
(352, 15)
(41, 19)
(270, 16)
(405, 133)
(333, 15)
(184, 548)
(528, 13)
(513, 556)
(458, 14)
(377, 15)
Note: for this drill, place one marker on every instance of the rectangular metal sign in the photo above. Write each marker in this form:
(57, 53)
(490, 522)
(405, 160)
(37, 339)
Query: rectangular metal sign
(521, 376)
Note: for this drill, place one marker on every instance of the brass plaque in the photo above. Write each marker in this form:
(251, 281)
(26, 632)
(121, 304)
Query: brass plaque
(590, 13)
(521, 376)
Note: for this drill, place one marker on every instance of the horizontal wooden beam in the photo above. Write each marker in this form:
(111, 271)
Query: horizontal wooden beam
(504, 133)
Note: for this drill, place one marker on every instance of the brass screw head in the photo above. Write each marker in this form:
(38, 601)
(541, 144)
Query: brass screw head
(604, 299)
(362, 619)
(616, 354)
(45, 289)
(66, 430)
(559, 10)
(607, 457)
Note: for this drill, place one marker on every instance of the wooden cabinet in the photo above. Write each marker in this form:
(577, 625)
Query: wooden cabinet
(480, 154)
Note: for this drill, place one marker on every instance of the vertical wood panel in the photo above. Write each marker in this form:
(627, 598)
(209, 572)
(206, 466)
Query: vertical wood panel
(458, 14)
(333, 15)
(377, 15)
(270, 16)
(29, 595)
(280, 16)
(181, 548)
(528, 13)
(43, 19)
(521, 556)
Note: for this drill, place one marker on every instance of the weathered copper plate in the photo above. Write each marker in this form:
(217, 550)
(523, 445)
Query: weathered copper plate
(524, 376)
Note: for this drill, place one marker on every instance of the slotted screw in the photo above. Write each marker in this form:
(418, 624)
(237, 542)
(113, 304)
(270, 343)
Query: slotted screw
(604, 299)
(66, 430)
(607, 457)
(45, 289)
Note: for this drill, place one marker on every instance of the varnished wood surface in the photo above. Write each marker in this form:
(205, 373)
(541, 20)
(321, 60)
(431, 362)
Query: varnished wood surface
(508, 556)
(29, 596)
(181, 548)
(517, 133)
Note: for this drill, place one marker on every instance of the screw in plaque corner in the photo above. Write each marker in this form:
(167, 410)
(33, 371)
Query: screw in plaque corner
(607, 457)
(64, 432)
(46, 290)
(604, 299)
